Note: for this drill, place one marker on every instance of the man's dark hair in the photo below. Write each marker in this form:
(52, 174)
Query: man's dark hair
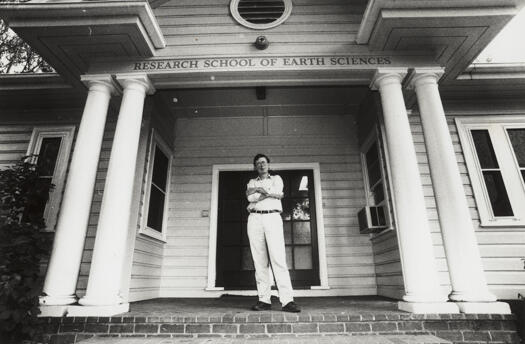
(258, 156)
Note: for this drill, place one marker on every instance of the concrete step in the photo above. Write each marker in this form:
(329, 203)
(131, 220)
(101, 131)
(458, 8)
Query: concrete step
(334, 339)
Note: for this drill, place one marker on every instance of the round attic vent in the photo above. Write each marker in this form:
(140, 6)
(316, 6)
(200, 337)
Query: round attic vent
(260, 14)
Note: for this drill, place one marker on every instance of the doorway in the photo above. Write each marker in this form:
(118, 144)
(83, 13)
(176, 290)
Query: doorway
(235, 270)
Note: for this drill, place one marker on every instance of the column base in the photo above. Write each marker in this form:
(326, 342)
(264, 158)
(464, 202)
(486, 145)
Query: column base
(57, 300)
(100, 301)
(428, 307)
(484, 307)
(83, 311)
(472, 297)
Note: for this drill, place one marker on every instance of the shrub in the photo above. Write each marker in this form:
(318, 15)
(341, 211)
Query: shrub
(23, 244)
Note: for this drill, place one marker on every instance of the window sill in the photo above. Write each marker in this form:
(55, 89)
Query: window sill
(384, 232)
(47, 230)
(502, 224)
(152, 234)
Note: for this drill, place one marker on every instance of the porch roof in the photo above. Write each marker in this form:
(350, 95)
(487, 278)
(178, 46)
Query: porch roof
(75, 35)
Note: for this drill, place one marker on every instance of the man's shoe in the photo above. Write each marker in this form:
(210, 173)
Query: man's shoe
(261, 306)
(291, 307)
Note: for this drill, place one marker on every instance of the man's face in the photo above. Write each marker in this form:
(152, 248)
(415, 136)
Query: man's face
(261, 165)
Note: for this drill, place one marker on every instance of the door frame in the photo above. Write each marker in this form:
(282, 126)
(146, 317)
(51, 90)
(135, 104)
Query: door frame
(212, 246)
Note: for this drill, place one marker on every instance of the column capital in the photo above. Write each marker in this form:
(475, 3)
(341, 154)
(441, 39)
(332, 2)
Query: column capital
(384, 76)
(423, 75)
(131, 80)
(104, 82)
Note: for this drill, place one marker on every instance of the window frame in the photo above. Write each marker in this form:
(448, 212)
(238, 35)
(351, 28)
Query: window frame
(66, 133)
(213, 215)
(497, 127)
(154, 142)
(375, 137)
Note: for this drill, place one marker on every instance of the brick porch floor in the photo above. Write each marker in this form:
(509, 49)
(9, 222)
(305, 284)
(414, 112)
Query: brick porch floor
(241, 304)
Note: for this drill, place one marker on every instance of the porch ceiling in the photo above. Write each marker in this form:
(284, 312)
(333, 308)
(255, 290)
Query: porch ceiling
(244, 102)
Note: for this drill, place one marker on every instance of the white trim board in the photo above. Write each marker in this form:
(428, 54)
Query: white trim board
(212, 246)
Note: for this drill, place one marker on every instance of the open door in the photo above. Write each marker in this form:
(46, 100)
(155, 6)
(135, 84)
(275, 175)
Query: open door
(235, 270)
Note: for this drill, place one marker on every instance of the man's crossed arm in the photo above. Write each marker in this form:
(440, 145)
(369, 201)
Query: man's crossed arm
(263, 194)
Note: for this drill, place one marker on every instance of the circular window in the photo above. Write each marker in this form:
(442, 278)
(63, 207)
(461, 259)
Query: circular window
(260, 14)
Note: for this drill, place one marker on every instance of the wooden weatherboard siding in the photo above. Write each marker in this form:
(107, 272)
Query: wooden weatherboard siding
(148, 253)
(14, 141)
(288, 133)
(206, 28)
(389, 275)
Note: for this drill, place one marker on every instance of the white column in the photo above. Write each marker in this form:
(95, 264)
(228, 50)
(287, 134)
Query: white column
(459, 240)
(62, 273)
(422, 289)
(109, 251)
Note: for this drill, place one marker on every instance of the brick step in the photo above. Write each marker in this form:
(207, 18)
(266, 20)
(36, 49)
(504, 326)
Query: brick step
(458, 328)
(333, 339)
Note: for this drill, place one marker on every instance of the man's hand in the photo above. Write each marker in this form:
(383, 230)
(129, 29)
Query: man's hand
(261, 197)
(276, 196)
(262, 191)
(251, 191)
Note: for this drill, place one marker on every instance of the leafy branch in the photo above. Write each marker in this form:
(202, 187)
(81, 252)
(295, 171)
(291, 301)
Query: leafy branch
(16, 56)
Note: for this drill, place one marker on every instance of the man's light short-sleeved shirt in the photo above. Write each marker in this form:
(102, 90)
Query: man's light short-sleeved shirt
(274, 185)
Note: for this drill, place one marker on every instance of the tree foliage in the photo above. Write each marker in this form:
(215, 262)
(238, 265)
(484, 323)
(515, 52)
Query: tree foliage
(23, 245)
(16, 56)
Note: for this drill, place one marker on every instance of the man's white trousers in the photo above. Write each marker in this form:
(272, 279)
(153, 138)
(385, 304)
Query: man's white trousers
(266, 230)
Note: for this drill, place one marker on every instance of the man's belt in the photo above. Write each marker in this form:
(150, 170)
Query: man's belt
(264, 211)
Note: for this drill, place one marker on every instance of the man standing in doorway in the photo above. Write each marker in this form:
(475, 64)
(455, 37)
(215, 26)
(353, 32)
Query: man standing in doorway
(265, 232)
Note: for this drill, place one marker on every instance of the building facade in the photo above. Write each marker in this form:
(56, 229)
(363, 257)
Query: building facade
(157, 108)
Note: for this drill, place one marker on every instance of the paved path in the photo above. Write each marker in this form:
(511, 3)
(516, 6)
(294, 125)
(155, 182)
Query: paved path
(338, 339)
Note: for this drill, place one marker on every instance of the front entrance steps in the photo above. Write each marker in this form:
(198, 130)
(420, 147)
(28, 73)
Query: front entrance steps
(334, 339)
(229, 318)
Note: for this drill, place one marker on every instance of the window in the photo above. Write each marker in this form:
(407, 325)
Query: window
(494, 149)
(260, 14)
(157, 189)
(373, 166)
(51, 147)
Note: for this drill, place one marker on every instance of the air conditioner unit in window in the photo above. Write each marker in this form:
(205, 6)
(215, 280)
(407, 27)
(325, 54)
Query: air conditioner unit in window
(372, 219)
